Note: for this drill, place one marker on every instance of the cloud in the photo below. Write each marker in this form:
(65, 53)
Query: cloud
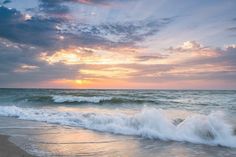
(142, 58)
(20, 64)
(122, 33)
(206, 63)
(103, 2)
(52, 4)
(17, 62)
(187, 46)
(5, 2)
(26, 68)
(45, 73)
(53, 41)
(190, 45)
(224, 57)
(53, 33)
(50, 7)
(232, 46)
(190, 61)
(61, 8)
(232, 29)
(134, 31)
(34, 31)
(41, 32)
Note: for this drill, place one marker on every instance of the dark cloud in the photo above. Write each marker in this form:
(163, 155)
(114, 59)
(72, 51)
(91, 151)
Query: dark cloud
(14, 55)
(54, 8)
(150, 57)
(60, 7)
(135, 31)
(43, 32)
(36, 31)
(102, 2)
(124, 33)
(232, 29)
(5, 2)
(44, 73)
(206, 55)
(222, 67)
(53, 3)
(119, 34)
(226, 57)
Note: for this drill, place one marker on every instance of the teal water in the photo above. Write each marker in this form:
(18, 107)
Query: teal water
(149, 120)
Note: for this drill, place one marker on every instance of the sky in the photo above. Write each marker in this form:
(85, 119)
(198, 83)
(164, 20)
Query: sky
(140, 44)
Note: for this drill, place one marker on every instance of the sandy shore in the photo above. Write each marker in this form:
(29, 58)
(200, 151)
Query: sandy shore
(9, 149)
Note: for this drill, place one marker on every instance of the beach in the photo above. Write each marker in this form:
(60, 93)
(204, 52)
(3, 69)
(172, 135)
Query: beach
(8, 149)
(118, 123)
(117, 78)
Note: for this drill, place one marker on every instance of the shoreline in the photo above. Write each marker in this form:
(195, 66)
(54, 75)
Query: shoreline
(9, 149)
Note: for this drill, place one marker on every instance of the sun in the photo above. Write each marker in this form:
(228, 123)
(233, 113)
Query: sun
(82, 82)
(79, 81)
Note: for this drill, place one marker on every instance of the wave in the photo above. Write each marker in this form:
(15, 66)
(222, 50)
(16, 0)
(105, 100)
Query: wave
(85, 99)
(36, 98)
(152, 123)
(70, 99)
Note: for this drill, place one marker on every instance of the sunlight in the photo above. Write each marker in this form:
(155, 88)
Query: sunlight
(82, 82)
(116, 72)
(64, 56)
(83, 55)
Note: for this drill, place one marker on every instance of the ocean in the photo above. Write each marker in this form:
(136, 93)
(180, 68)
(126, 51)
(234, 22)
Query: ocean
(114, 123)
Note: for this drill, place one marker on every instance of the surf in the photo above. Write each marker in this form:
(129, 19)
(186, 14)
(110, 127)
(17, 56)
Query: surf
(212, 129)
(77, 99)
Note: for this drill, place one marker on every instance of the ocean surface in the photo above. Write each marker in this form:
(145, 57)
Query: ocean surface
(135, 123)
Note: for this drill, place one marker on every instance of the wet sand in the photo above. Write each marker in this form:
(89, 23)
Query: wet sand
(8, 149)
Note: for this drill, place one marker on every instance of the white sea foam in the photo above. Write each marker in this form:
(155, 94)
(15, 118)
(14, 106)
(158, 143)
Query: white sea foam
(153, 123)
(69, 98)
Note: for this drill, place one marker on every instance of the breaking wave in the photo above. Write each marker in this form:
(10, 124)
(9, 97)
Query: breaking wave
(152, 123)
(85, 99)
(69, 98)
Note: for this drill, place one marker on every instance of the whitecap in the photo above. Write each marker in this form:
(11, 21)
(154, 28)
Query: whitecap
(212, 129)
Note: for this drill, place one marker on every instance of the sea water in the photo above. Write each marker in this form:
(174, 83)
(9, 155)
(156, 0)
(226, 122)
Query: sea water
(60, 122)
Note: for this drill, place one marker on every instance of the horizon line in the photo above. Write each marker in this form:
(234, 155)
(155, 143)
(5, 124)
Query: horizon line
(42, 88)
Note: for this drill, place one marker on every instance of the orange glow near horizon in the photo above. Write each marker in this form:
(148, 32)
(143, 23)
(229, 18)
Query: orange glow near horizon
(122, 84)
(122, 67)
(82, 55)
